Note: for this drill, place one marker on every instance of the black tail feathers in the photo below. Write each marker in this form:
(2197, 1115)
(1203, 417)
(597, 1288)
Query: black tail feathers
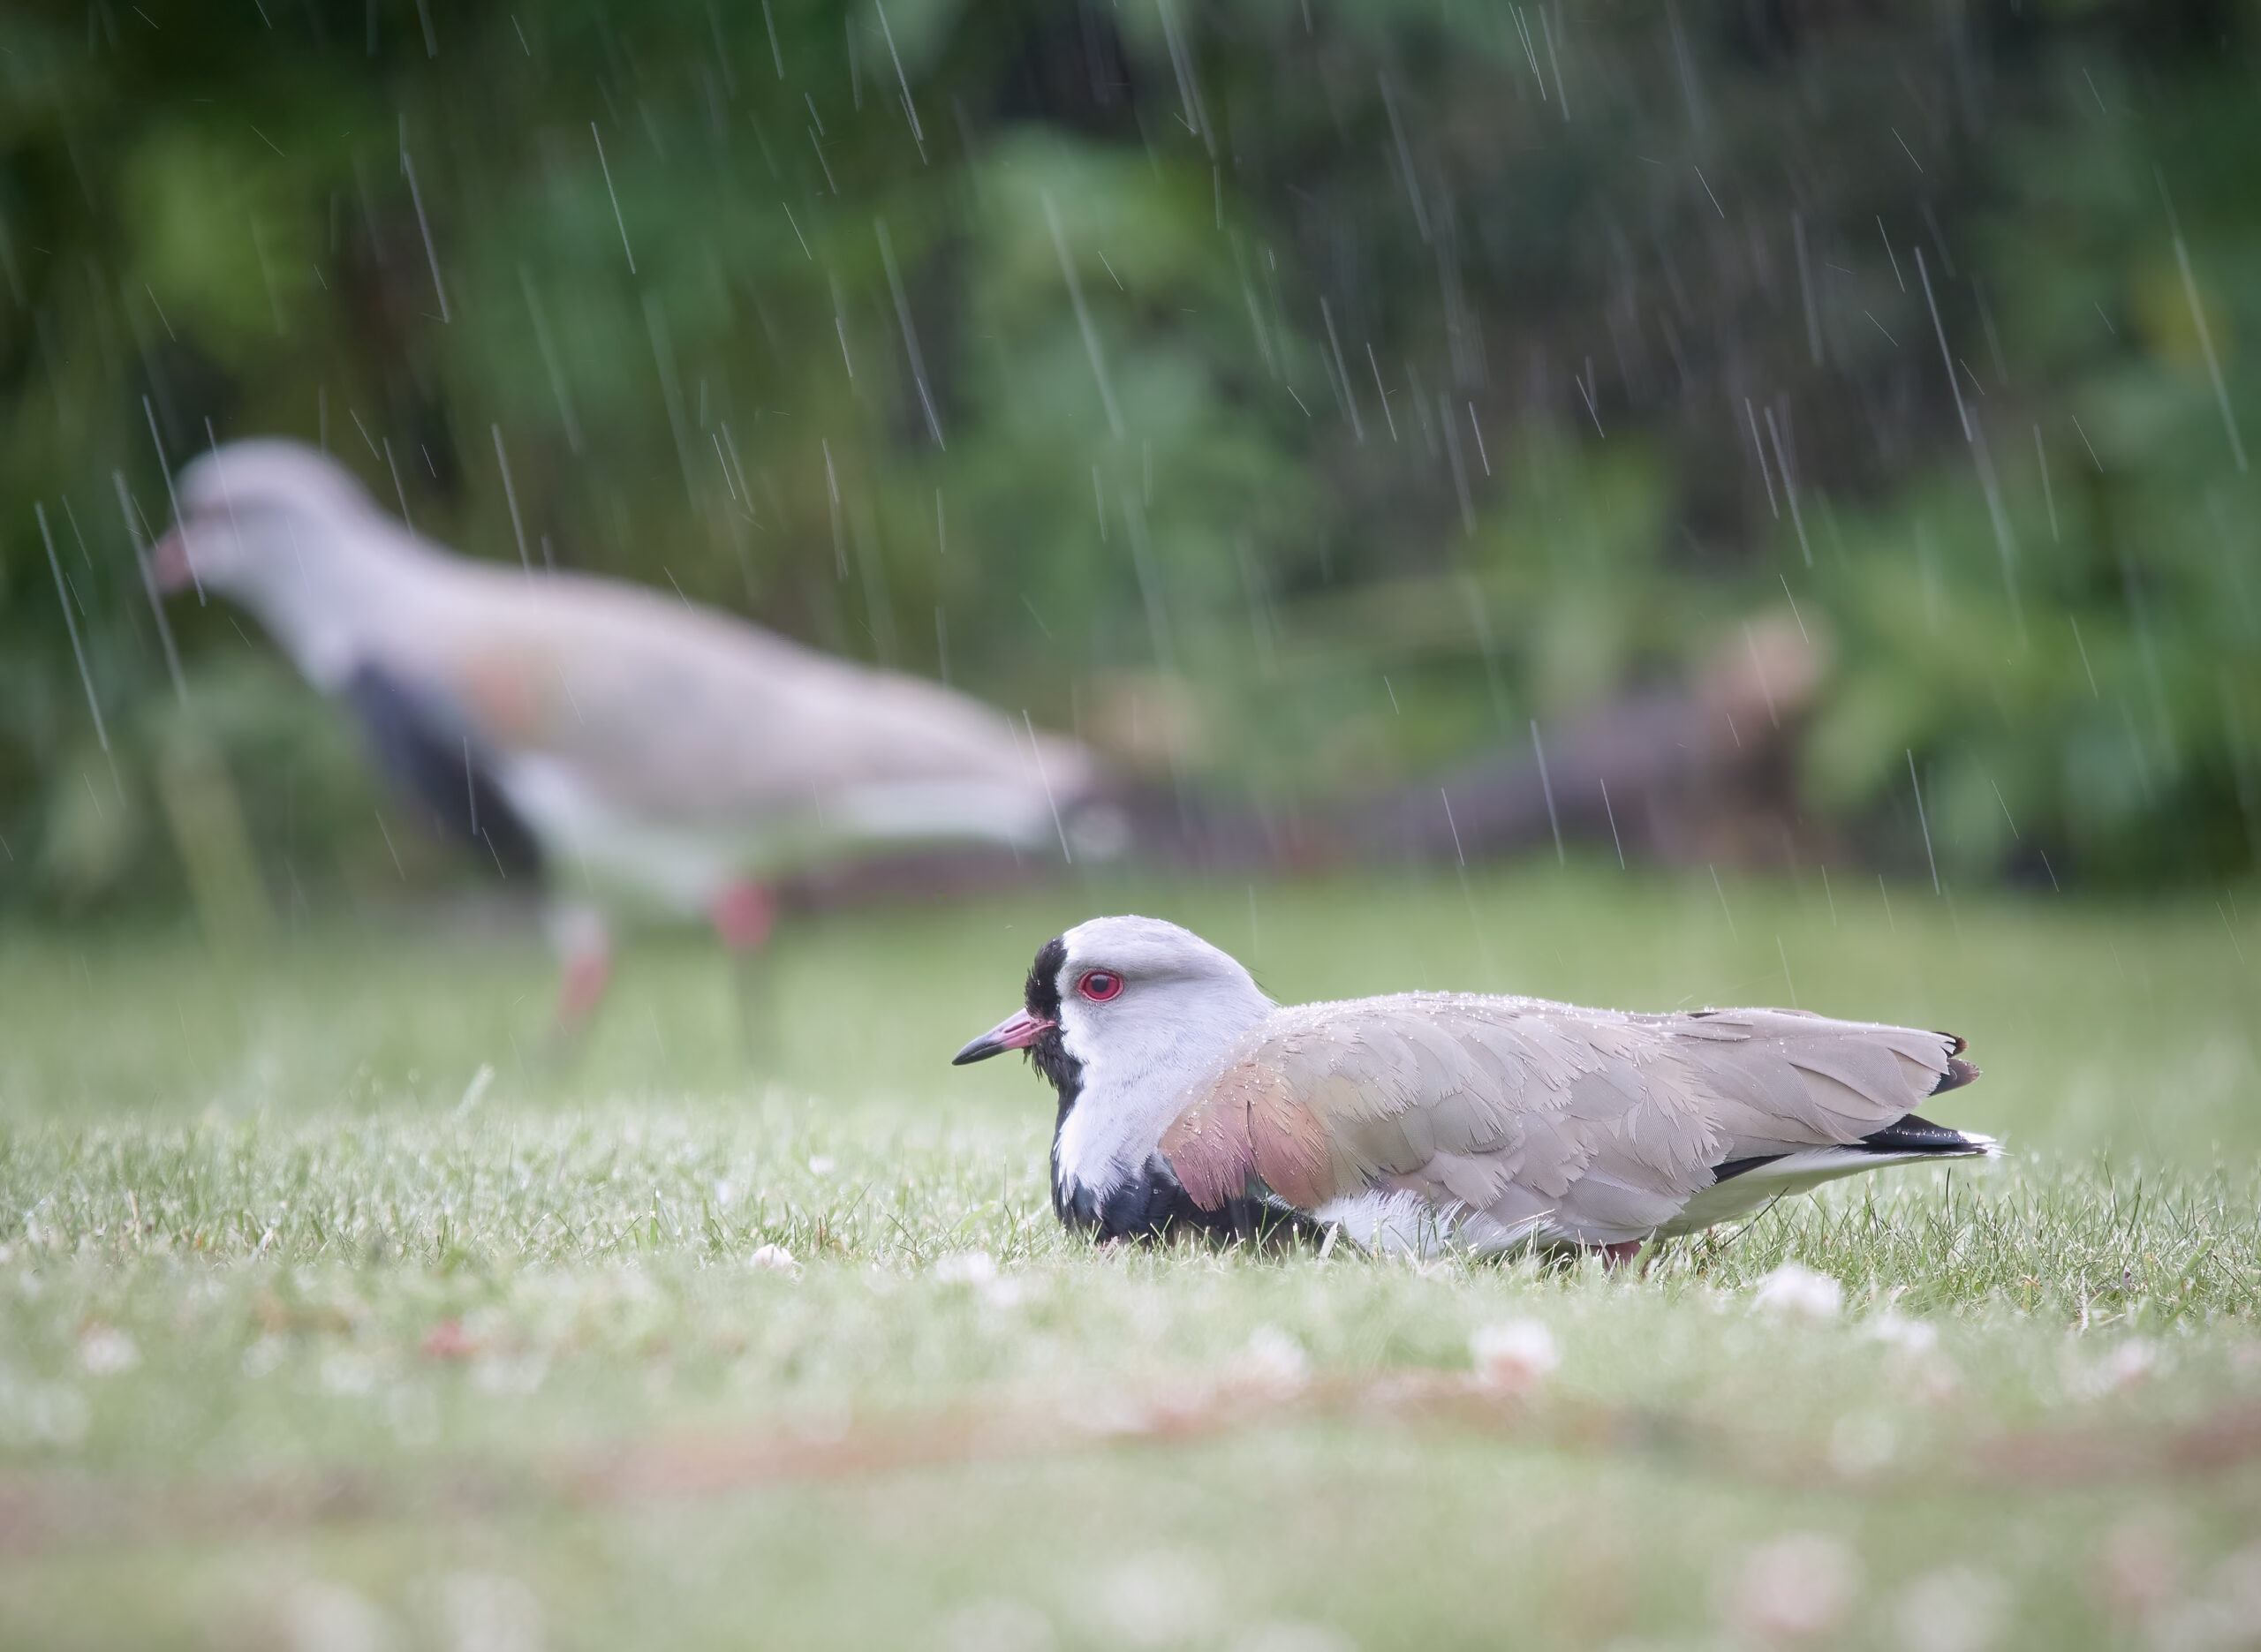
(1916, 1134)
(1958, 1072)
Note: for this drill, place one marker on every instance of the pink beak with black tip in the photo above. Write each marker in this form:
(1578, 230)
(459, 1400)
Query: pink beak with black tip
(1016, 1031)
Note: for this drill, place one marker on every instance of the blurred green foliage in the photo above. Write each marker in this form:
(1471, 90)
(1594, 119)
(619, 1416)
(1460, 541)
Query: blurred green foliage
(1179, 371)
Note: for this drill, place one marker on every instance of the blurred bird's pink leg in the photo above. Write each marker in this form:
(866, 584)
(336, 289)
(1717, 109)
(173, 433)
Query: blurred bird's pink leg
(587, 974)
(743, 914)
(1615, 1256)
(584, 944)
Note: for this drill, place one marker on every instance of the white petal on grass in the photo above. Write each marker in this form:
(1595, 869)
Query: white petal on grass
(1274, 1361)
(773, 1259)
(979, 1270)
(107, 1351)
(1799, 1587)
(1937, 1381)
(2129, 1365)
(1795, 1289)
(1514, 1356)
(966, 1267)
(1004, 1292)
(1909, 1336)
(2133, 1361)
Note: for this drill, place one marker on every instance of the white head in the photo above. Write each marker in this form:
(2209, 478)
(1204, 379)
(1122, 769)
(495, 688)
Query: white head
(260, 516)
(1120, 1015)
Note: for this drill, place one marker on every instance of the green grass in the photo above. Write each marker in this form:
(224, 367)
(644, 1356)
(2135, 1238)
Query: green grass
(310, 1337)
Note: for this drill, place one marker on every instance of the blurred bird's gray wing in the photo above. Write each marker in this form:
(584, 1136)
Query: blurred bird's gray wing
(692, 718)
(1525, 1118)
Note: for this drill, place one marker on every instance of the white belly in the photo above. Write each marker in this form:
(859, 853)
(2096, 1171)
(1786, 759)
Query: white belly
(679, 868)
(1407, 1225)
(595, 848)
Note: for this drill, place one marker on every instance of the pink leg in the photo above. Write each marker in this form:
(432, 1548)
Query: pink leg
(584, 943)
(587, 973)
(1617, 1256)
(743, 915)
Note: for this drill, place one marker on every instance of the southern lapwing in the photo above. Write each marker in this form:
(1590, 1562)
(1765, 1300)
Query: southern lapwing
(1190, 1101)
(647, 756)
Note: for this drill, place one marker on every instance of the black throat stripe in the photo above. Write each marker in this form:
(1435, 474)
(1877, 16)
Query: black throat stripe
(1149, 1205)
(1048, 1054)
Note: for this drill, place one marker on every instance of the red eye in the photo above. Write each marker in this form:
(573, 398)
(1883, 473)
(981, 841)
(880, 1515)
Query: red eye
(1099, 986)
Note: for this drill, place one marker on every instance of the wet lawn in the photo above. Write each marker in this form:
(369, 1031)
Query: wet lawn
(336, 1312)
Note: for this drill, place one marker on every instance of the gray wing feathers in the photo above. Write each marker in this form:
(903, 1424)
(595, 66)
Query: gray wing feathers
(688, 715)
(1583, 1125)
(1783, 1079)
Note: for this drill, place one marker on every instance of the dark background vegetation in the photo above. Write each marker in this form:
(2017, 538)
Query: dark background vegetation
(1441, 366)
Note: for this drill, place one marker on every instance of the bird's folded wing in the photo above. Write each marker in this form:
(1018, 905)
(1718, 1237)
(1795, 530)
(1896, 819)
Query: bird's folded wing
(683, 714)
(1779, 1079)
(1538, 1115)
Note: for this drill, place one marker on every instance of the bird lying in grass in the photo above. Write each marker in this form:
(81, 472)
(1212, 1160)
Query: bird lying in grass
(643, 755)
(1189, 1102)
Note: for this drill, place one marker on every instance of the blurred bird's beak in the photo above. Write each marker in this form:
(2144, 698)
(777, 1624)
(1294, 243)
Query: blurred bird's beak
(1016, 1031)
(169, 564)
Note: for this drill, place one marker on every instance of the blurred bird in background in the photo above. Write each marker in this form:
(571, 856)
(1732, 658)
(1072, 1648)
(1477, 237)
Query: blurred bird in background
(645, 757)
(649, 759)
